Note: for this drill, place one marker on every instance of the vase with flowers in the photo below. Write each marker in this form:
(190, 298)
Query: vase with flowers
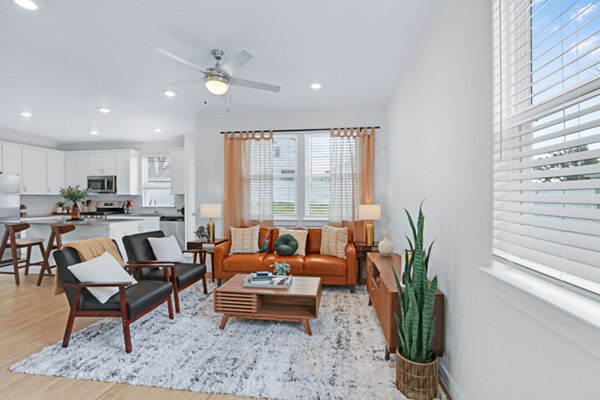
(75, 194)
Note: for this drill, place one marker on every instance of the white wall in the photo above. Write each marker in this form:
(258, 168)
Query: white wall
(209, 142)
(500, 343)
(8, 135)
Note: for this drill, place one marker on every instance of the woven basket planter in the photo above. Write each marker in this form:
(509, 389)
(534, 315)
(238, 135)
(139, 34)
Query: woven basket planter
(415, 380)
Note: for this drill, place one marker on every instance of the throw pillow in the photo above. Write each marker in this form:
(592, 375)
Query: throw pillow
(334, 241)
(102, 269)
(244, 240)
(300, 236)
(286, 245)
(166, 249)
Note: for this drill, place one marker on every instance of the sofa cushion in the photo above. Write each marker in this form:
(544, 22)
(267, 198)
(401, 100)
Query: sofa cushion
(286, 245)
(313, 241)
(317, 264)
(243, 262)
(296, 263)
(186, 273)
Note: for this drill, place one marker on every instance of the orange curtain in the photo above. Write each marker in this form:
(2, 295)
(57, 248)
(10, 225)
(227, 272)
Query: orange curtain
(366, 148)
(248, 178)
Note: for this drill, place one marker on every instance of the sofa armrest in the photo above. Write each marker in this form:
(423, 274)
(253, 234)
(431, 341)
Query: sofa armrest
(351, 264)
(220, 252)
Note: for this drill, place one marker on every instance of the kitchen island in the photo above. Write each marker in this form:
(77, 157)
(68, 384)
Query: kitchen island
(84, 229)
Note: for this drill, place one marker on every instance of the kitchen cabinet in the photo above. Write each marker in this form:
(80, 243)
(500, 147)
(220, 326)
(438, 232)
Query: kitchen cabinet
(128, 172)
(103, 163)
(55, 171)
(33, 178)
(11, 159)
(177, 158)
(77, 168)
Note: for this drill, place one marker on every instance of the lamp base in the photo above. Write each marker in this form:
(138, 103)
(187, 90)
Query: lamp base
(370, 234)
(210, 231)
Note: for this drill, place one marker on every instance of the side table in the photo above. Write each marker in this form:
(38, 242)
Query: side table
(203, 250)
(362, 248)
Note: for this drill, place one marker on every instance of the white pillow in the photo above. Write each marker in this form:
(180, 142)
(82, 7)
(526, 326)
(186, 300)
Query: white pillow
(300, 236)
(166, 249)
(244, 240)
(102, 269)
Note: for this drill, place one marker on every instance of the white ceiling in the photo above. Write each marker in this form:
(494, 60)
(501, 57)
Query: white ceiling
(71, 56)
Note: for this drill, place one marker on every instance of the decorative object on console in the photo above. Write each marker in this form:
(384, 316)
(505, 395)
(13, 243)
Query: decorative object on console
(210, 211)
(74, 194)
(281, 268)
(286, 245)
(201, 233)
(369, 212)
(386, 246)
(23, 211)
(416, 366)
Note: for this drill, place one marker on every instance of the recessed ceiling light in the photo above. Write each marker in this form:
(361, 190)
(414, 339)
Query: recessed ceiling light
(170, 93)
(316, 86)
(93, 132)
(25, 114)
(27, 4)
(157, 130)
(104, 110)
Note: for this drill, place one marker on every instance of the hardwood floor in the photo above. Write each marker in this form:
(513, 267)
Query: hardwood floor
(32, 318)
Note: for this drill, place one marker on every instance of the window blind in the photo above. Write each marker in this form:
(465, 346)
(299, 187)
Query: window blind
(547, 138)
(317, 174)
(285, 148)
(157, 169)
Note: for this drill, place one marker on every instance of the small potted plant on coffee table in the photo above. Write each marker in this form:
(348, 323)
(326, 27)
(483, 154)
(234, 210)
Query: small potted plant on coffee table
(281, 268)
(416, 365)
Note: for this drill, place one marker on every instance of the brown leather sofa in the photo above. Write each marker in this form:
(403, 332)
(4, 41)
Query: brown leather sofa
(332, 270)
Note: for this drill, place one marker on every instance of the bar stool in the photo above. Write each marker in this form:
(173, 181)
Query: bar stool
(54, 243)
(10, 239)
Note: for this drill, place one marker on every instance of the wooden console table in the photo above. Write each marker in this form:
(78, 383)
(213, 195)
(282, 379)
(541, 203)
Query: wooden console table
(383, 296)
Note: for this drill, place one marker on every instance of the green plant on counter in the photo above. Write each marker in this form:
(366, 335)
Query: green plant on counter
(23, 207)
(60, 204)
(281, 268)
(74, 193)
(201, 233)
(416, 325)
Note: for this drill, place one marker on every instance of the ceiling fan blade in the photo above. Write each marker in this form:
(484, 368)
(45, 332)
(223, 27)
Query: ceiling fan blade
(236, 62)
(179, 59)
(254, 85)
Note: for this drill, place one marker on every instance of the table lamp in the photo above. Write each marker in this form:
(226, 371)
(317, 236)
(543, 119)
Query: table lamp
(369, 212)
(210, 211)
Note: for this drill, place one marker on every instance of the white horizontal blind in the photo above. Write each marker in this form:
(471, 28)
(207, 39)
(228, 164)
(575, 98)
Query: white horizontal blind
(156, 181)
(547, 138)
(158, 169)
(317, 174)
(259, 185)
(285, 161)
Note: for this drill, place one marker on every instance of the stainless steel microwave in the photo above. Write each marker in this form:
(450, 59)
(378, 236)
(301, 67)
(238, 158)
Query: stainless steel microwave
(102, 184)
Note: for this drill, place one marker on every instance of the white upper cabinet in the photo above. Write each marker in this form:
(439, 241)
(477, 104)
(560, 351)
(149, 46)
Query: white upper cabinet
(33, 179)
(103, 163)
(55, 171)
(177, 158)
(11, 159)
(77, 168)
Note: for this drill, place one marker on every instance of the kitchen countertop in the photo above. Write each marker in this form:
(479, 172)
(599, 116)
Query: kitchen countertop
(84, 222)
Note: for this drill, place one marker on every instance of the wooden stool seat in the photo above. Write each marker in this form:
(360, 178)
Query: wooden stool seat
(20, 243)
(10, 240)
(54, 243)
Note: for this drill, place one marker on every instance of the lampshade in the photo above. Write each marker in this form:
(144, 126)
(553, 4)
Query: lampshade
(217, 85)
(210, 210)
(369, 212)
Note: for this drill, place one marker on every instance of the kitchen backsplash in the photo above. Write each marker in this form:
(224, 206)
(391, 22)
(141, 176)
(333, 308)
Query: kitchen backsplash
(44, 205)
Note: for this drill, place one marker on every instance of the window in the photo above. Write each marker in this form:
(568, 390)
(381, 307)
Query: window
(317, 166)
(156, 181)
(285, 166)
(547, 138)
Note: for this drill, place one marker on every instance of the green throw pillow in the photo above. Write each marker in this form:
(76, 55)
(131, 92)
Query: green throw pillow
(286, 245)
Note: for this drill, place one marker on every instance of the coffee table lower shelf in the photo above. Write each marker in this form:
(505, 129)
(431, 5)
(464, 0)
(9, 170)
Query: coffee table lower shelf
(300, 303)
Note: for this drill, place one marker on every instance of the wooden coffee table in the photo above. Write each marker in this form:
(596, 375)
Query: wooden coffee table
(299, 303)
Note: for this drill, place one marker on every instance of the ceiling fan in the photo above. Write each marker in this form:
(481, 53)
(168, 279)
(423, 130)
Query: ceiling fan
(217, 79)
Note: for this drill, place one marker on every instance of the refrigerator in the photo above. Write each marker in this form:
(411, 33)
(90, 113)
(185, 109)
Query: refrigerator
(10, 202)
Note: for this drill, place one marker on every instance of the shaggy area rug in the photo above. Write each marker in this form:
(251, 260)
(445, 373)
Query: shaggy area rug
(343, 359)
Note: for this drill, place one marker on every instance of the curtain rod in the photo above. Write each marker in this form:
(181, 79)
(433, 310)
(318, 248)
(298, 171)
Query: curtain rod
(301, 130)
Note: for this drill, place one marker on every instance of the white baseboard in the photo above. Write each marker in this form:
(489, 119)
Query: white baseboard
(451, 385)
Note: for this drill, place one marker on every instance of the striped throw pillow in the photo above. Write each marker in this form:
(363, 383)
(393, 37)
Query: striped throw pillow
(334, 241)
(244, 240)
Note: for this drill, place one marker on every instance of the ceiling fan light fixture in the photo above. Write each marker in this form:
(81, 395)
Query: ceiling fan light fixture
(216, 84)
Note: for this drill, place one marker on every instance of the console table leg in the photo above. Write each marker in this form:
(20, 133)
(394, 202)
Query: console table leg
(370, 302)
(224, 321)
(307, 327)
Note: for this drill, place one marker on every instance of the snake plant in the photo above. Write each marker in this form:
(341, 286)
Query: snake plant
(416, 323)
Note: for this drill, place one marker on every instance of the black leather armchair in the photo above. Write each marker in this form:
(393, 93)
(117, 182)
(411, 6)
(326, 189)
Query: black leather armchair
(130, 304)
(183, 275)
